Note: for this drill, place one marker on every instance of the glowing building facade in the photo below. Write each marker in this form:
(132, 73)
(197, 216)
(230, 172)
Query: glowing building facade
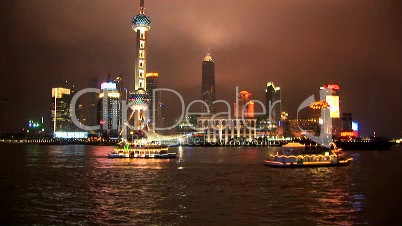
(224, 130)
(244, 106)
(333, 99)
(208, 84)
(109, 109)
(60, 113)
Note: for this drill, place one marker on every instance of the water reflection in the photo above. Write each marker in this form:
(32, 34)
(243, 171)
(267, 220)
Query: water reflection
(80, 185)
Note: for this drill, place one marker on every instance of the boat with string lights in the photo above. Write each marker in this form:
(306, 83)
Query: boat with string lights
(299, 155)
(151, 150)
(118, 154)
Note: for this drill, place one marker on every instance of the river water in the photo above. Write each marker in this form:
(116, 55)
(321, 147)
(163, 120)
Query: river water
(79, 185)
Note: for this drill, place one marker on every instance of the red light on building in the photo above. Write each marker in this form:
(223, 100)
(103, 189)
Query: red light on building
(347, 134)
(332, 86)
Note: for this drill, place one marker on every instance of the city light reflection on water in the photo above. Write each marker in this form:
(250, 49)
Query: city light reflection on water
(80, 185)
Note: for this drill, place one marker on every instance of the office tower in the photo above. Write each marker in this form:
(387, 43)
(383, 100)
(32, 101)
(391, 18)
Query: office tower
(273, 104)
(333, 101)
(109, 109)
(61, 119)
(119, 86)
(208, 84)
(155, 99)
(139, 99)
(349, 128)
(91, 105)
(3, 115)
(347, 122)
(244, 107)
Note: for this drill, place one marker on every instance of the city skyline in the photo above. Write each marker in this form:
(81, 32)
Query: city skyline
(300, 48)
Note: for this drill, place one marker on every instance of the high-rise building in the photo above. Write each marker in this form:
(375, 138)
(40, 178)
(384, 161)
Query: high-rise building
(244, 107)
(139, 99)
(347, 122)
(208, 84)
(333, 101)
(273, 104)
(109, 109)
(61, 119)
(349, 128)
(155, 113)
(120, 89)
(91, 105)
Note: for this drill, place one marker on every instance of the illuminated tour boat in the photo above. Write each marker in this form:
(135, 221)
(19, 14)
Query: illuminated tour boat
(300, 155)
(118, 154)
(127, 150)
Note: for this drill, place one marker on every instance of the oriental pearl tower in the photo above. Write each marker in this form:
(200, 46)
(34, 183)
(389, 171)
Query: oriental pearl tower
(139, 99)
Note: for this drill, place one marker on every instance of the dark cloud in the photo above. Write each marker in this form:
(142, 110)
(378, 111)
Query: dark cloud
(299, 45)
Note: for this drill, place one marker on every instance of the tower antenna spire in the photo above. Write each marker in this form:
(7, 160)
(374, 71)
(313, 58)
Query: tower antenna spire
(142, 7)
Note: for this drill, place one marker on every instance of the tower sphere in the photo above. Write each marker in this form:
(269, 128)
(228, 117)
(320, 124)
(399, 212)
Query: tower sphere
(141, 20)
(139, 100)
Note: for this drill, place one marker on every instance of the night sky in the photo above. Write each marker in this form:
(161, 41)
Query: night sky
(297, 44)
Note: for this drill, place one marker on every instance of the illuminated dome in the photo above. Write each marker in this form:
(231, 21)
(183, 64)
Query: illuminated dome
(141, 20)
(138, 100)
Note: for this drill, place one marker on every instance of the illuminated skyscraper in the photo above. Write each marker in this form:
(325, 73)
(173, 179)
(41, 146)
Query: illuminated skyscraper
(208, 84)
(109, 109)
(155, 113)
(61, 98)
(139, 99)
(333, 101)
(273, 104)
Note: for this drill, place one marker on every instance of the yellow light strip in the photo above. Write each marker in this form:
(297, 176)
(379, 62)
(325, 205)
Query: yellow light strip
(299, 156)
